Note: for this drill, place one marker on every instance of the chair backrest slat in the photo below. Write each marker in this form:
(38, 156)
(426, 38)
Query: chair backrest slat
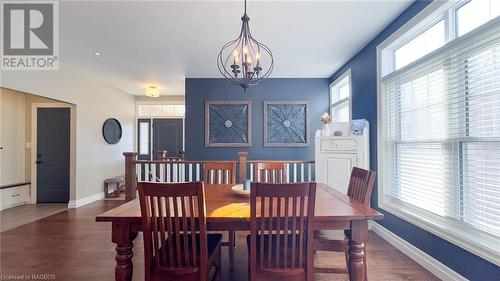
(154, 223)
(193, 229)
(285, 246)
(173, 215)
(275, 221)
(361, 185)
(301, 231)
(294, 230)
(270, 231)
(270, 172)
(219, 172)
(262, 231)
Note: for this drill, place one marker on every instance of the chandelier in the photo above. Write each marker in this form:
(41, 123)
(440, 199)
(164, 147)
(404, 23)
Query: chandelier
(245, 61)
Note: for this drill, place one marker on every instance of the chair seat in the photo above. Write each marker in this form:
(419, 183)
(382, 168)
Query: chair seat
(282, 245)
(213, 242)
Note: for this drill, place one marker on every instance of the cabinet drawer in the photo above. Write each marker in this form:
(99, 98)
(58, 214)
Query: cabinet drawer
(340, 144)
(14, 196)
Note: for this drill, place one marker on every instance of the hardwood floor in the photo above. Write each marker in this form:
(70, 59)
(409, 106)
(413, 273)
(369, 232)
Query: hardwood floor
(73, 247)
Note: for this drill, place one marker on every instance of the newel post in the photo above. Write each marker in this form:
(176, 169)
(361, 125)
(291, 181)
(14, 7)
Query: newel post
(161, 155)
(130, 175)
(243, 160)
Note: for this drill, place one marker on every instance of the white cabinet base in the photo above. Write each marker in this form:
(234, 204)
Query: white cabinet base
(14, 196)
(336, 156)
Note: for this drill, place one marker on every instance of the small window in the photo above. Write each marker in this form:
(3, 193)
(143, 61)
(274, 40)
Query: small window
(426, 42)
(179, 109)
(340, 91)
(475, 13)
(160, 110)
(144, 135)
(169, 110)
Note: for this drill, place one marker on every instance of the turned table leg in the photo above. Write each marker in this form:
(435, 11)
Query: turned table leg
(357, 262)
(123, 237)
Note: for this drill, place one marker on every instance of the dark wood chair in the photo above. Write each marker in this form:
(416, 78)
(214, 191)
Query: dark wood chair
(222, 173)
(280, 216)
(219, 172)
(175, 246)
(271, 172)
(360, 189)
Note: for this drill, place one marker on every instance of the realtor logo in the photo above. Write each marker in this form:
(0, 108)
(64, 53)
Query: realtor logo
(30, 36)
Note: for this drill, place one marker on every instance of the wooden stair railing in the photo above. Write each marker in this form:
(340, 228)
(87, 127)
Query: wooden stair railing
(178, 169)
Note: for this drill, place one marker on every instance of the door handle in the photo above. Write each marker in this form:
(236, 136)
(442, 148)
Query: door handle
(38, 162)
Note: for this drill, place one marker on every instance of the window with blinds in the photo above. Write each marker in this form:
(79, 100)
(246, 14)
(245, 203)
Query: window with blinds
(340, 98)
(441, 131)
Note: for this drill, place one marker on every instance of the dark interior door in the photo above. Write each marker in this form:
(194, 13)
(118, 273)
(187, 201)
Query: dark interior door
(168, 135)
(53, 148)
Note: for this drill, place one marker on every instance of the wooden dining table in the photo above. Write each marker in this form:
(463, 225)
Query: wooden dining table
(228, 211)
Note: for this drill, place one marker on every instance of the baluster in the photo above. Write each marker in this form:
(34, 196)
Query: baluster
(175, 172)
(302, 172)
(169, 172)
(147, 175)
(182, 172)
(309, 172)
(287, 170)
(294, 172)
(162, 172)
(139, 171)
(190, 171)
(198, 168)
(153, 172)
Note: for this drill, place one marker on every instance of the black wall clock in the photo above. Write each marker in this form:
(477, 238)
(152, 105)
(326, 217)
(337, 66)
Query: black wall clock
(112, 131)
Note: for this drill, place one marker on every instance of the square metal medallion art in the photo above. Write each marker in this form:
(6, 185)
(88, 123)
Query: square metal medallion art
(228, 123)
(286, 123)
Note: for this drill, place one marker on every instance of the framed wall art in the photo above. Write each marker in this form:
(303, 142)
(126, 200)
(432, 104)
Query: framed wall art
(228, 123)
(286, 123)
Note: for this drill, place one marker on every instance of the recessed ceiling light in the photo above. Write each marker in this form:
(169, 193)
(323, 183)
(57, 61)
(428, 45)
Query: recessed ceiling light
(96, 53)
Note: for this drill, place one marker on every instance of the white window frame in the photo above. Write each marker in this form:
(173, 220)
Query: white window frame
(349, 99)
(477, 242)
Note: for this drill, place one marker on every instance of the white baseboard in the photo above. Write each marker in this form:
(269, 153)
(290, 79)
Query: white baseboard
(431, 264)
(86, 200)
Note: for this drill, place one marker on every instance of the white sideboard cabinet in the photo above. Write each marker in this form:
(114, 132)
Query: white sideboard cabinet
(335, 156)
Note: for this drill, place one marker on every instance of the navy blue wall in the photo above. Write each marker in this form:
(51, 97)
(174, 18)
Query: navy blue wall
(364, 105)
(199, 90)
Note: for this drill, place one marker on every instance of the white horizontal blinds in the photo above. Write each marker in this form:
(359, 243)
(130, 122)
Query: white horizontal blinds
(442, 131)
(340, 96)
(340, 111)
(481, 184)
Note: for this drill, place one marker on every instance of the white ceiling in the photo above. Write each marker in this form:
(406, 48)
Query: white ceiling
(163, 42)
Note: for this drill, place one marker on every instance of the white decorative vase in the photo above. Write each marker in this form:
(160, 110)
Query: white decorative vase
(326, 131)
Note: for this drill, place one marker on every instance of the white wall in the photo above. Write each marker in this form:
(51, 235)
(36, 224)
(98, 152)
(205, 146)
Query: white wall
(12, 137)
(95, 102)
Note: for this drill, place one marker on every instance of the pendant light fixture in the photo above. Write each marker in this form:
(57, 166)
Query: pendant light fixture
(245, 61)
(152, 91)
